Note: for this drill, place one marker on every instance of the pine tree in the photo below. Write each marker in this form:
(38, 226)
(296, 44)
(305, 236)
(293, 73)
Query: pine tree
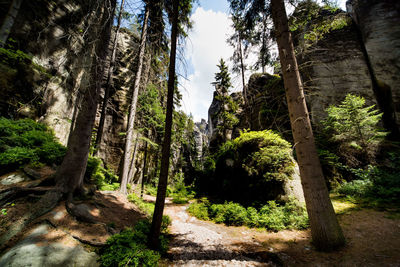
(353, 124)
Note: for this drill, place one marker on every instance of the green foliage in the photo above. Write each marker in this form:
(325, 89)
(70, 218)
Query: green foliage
(146, 207)
(222, 78)
(181, 193)
(313, 22)
(255, 164)
(104, 179)
(270, 216)
(354, 124)
(27, 142)
(129, 247)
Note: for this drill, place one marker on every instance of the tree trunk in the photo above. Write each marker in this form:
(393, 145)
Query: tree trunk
(109, 82)
(144, 173)
(9, 21)
(132, 167)
(132, 110)
(69, 175)
(242, 68)
(325, 229)
(166, 147)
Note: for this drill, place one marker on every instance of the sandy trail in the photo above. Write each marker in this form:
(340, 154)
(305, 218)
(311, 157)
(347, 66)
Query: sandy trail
(200, 243)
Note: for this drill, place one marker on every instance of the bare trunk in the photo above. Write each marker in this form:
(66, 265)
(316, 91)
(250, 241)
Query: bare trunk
(132, 168)
(242, 68)
(132, 110)
(144, 173)
(325, 229)
(70, 174)
(109, 82)
(9, 21)
(166, 148)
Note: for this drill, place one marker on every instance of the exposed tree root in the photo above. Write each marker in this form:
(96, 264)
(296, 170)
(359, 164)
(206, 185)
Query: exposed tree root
(10, 194)
(44, 205)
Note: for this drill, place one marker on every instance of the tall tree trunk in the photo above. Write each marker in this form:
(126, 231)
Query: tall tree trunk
(109, 82)
(69, 176)
(132, 110)
(9, 21)
(325, 229)
(242, 68)
(132, 168)
(70, 173)
(144, 173)
(166, 147)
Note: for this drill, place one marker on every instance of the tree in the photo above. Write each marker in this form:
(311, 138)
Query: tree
(69, 176)
(178, 13)
(9, 20)
(325, 229)
(132, 111)
(222, 84)
(354, 125)
(109, 81)
(239, 54)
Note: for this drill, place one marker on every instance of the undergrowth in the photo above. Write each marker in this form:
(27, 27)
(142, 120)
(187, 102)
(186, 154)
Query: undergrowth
(27, 142)
(129, 248)
(270, 216)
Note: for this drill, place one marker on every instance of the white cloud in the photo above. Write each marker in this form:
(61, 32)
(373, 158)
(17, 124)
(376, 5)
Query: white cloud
(206, 45)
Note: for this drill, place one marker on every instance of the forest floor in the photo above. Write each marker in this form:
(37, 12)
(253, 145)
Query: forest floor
(373, 237)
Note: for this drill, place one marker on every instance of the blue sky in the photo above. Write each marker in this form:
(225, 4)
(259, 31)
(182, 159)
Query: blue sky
(205, 45)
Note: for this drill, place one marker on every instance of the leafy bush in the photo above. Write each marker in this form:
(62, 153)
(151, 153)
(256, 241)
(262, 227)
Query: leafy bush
(146, 207)
(270, 216)
(27, 142)
(104, 179)
(129, 247)
(181, 193)
(256, 164)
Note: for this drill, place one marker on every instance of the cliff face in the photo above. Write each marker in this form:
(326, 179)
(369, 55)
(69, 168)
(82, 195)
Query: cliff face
(378, 22)
(112, 145)
(332, 68)
(54, 35)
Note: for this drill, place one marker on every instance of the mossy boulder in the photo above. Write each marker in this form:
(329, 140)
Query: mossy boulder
(252, 168)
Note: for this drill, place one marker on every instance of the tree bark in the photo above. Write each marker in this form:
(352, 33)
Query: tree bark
(100, 129)
(9, 21)
(144, 173)
(325, 229)
(132, 110)
(242, 68)
(166, 147)
(69, 175)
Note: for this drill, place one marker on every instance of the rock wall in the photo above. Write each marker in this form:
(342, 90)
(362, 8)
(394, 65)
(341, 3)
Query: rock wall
(54, 33)
(112, 145)
(332, 68)
(378, 22)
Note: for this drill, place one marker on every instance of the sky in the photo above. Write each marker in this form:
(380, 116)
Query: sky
(205, 45)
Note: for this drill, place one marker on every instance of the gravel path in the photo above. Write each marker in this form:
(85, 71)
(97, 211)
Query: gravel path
(201, 243)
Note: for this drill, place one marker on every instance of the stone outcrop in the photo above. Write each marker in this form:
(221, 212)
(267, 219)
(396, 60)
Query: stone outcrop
(200, 137)
(378, 22)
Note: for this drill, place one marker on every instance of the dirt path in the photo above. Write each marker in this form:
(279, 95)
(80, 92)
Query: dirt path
(200, 243)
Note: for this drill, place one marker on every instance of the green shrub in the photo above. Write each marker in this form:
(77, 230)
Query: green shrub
(104, 179)
(27, 142)
(256, 164)
(129, 247)
(199, 210)
(356, 188)
(271, 216)
(146, 207)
